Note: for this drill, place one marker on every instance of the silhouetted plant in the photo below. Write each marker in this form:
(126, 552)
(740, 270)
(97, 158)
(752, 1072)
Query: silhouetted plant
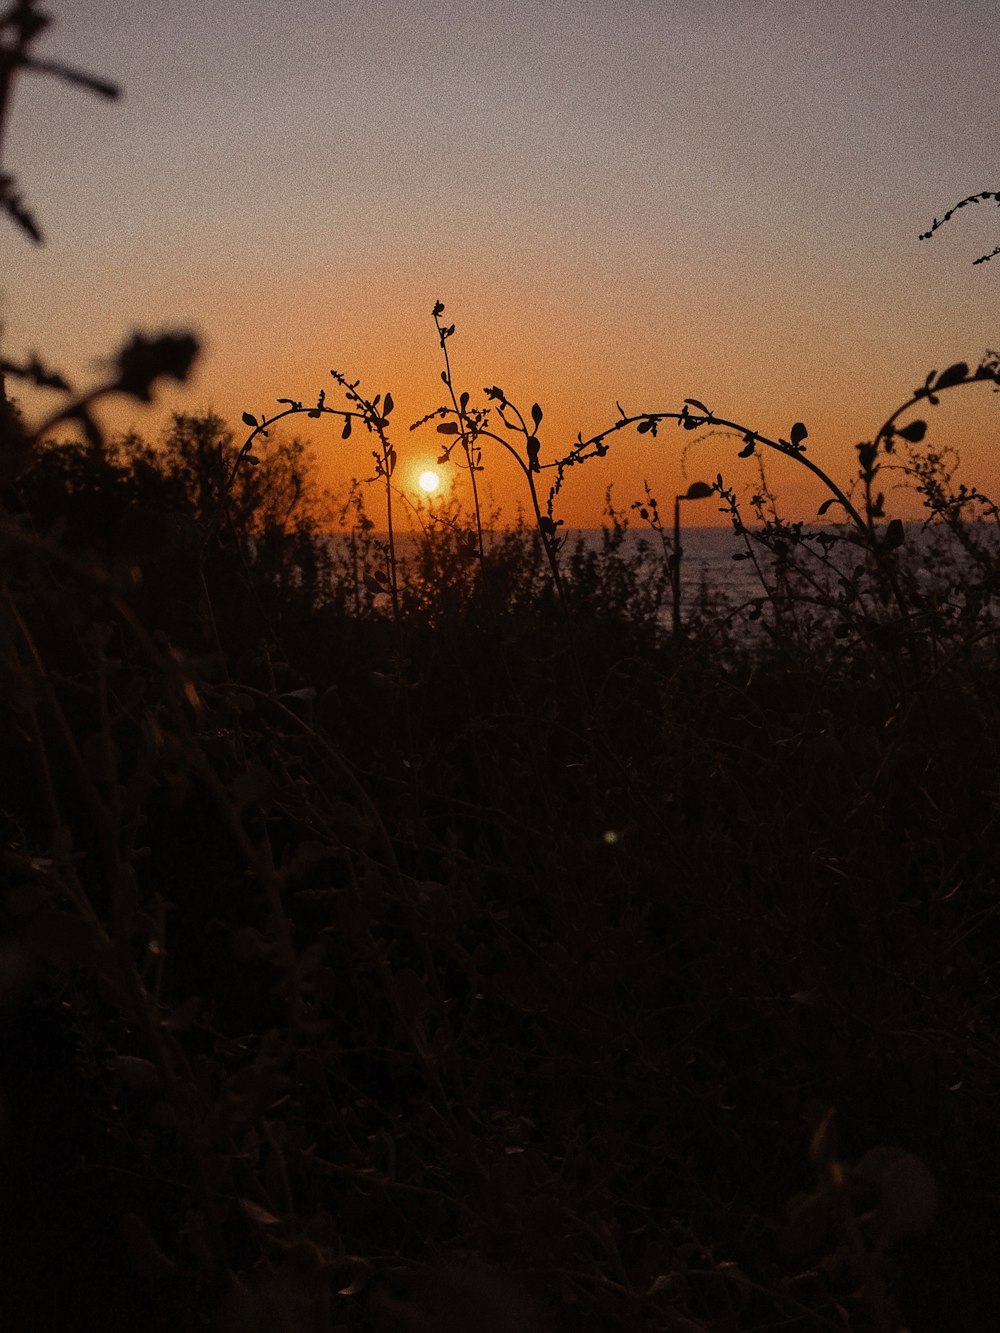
(20, 28)
(471, 425)
(140, 362)
(374, 417)
(969, 199)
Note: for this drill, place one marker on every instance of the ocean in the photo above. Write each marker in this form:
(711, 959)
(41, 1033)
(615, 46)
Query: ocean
(714, 558)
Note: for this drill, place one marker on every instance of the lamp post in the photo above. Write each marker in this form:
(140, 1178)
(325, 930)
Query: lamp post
(698, 490)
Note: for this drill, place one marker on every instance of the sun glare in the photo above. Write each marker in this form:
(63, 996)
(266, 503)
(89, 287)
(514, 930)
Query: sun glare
(429, 481)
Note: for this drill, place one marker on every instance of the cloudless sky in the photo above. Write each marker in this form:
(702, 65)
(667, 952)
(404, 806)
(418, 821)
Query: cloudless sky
(631, 201)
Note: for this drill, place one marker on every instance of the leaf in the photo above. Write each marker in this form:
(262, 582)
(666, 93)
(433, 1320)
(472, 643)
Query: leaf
(914, 432)
(448, 428)
(826, 505)
(137, 1074)
(693, 402)
(35, 371)
(536, 415)
(895, 535)
(76, 76)
(749, 447)
(953, 375)
(345, 434)
(644, 426)
(798, 434)
(249, 419)
(909, 1199)
(144, 360)
(12, 202)
(908, 1193)
(388, 405)
(252, 459)
(258, 1214)
(822, 1146)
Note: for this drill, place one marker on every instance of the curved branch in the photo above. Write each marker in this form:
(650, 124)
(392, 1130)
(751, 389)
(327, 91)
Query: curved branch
(969, 199)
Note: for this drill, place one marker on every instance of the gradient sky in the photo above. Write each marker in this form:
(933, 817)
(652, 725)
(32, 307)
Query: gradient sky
(632, 201)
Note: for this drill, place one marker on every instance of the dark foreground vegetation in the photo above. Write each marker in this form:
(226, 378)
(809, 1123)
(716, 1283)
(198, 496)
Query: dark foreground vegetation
(451, 942)
(498, 958)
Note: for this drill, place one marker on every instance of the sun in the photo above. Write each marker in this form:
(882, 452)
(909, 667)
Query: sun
(429, 481)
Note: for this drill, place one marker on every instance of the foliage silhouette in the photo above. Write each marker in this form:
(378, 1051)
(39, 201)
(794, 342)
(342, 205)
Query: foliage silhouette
(969, 199)
(20, 27)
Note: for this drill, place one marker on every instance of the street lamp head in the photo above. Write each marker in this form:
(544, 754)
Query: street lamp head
(698, 490)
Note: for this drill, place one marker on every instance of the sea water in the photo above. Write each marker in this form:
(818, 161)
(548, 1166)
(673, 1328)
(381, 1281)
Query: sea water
(715, 559)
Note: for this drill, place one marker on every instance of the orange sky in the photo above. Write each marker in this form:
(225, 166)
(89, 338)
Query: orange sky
(638, 202)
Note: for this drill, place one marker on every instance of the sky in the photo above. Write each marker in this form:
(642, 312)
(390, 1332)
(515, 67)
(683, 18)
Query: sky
(631, 203)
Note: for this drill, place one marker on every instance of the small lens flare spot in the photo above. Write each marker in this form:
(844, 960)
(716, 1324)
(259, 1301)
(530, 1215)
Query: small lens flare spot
(610, 838)
(429, 482)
